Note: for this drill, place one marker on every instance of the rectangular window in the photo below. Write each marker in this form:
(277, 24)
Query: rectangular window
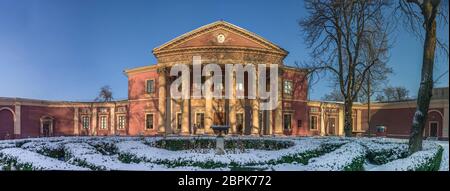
(121, 122)
(200, 120)
(179, 119)
(313, 122)
(287, 87)
(103, 122)
(85, 122)
(287, 121)
(150, 86)
(299, 123)
(354, 127)
(149, 121)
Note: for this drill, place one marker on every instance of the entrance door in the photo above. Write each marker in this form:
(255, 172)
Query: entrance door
(240, 123)
(433, 129)
(331, 126)
(46, 129)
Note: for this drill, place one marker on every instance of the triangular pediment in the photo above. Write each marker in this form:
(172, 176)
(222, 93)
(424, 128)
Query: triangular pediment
(220, 34)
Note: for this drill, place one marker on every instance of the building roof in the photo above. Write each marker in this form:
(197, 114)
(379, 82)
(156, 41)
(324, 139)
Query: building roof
(219, 25)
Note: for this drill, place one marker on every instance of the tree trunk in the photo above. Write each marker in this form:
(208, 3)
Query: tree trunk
(348, 121)
(426, 83)
(368, 104)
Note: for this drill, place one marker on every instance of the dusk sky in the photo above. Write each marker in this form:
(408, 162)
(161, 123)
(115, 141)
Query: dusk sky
(68, 49)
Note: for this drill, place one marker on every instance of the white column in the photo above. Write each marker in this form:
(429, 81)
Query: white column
(359, 118)
(162, 100)
(232, 104)
(17, 120)
(322, 121)
(270, 122)
(341, 121)
(279, 109)
(255, 110)
(76, 121)
(185, 117)
(208, 115)
(112, 119)
(94, 121)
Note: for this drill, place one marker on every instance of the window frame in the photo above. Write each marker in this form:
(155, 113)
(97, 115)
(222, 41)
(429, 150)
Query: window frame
(103, 125)
(291, 88)
(290, 121)
(315, 122)
(146, 121)
(124, 122)
(147, 87)
(83, 122)
(196, 120)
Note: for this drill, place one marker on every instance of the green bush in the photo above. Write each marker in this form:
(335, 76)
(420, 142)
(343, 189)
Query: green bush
(304, 157)
(241, 144)
(105, 148)
(356, 165)
(57, 153)
(11, 162)
(384, 156)
(128, 158)
(432, 164)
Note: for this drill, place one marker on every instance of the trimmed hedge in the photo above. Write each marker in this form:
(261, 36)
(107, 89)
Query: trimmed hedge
(240, 144)
(425, 160)
(432, 164)
(304, 157)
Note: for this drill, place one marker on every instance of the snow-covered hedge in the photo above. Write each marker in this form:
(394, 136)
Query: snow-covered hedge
(303, 149)
(20, 159)
(383, 152)
(349, 157)
(428, 159)
(139, 153)
(230, 144)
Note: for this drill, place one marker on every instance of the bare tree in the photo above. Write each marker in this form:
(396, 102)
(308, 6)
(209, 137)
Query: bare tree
(422, 14)
(338, 33)
(105, 94)
(334, 95)
(376, 53)
(390, 93)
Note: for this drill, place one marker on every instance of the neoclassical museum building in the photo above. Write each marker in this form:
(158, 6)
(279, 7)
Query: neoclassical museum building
(151, 110)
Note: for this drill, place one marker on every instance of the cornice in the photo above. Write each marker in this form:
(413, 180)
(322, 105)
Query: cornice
(226, 26)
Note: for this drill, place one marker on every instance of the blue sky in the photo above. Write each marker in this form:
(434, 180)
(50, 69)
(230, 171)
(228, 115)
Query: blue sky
(68, 49)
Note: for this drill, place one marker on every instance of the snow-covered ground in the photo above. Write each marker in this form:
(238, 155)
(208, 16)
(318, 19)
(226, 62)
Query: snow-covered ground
(134, 153)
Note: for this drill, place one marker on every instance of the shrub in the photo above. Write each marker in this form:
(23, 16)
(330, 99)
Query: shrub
(428, 159)
(241, 144)
(382, 153)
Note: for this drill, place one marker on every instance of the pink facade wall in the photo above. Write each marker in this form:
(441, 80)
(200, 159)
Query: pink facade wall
(399, 121)
(63, 123)
(299, 111)
(138, 110)
(297, 103)
(137, 85)
(141, 103)
(300, 84)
